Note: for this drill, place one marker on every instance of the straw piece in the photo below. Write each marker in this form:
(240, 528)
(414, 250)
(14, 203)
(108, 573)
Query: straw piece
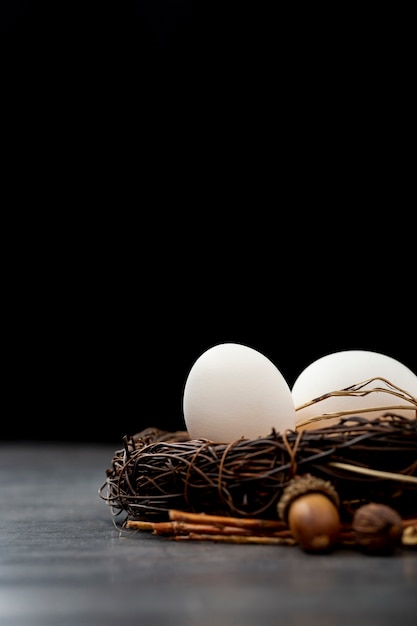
(372, 472)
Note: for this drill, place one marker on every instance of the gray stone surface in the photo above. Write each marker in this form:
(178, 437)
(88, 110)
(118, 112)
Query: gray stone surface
(64, 563)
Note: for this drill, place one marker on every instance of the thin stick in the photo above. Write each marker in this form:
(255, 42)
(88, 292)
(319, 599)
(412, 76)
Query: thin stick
(377, 473)
(139, 525)
(179, 527)
(264, 539)
(183, 528)
(244, 522)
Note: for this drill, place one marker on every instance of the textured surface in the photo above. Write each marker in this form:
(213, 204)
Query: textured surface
(63, 563)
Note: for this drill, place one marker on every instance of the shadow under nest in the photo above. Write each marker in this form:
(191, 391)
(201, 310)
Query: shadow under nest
(365, 460)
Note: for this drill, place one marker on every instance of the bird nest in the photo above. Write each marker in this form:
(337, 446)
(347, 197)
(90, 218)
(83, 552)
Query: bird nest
(157, 471)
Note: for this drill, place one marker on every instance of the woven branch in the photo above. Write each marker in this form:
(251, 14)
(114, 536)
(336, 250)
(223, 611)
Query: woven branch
(366, 460)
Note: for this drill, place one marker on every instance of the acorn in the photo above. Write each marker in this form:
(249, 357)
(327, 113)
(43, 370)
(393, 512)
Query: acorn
(377, 528)
(310, 507)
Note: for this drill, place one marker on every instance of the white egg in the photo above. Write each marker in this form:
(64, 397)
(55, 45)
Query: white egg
(340, 370)
(233, 391)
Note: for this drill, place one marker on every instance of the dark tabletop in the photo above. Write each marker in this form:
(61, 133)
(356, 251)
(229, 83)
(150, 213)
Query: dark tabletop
(64, 563)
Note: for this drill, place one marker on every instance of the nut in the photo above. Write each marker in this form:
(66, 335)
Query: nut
(310, 507)
(314, 522)
(377, 528)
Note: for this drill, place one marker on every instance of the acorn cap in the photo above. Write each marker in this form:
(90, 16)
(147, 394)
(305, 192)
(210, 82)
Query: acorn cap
(299, 486)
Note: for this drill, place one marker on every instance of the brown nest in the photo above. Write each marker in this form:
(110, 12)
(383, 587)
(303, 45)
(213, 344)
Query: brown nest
(365, 459)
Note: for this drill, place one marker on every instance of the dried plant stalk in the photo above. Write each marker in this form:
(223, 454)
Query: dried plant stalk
(223, 520)
(204, 527)
(377, 473)
(359, 390)
(266, 540)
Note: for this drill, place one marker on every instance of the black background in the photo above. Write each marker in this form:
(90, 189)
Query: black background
(178, 175)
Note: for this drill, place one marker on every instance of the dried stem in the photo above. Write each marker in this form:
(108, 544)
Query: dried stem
(264, 539)
(185, 526)
(377, 473)
(359, 390)
(183, 523)
(221, 520)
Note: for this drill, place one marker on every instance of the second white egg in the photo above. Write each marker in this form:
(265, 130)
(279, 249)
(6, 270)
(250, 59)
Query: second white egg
(233, 391)
(336, 372)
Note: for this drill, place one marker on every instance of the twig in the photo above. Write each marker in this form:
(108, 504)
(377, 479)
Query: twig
(260, 539)
(240, 522)
(139, 525)
(212, 525)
